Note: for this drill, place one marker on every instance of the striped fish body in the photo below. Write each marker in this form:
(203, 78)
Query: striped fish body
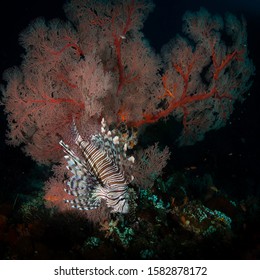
(97, 175)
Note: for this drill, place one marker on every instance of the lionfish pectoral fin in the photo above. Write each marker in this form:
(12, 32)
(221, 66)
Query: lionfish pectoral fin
(84, 203)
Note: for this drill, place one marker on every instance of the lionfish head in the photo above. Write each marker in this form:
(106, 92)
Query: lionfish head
(121, 207)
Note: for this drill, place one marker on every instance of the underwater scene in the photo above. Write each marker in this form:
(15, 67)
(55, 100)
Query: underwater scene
(129, 130)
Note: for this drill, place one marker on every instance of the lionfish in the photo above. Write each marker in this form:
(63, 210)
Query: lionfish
(100, 174)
